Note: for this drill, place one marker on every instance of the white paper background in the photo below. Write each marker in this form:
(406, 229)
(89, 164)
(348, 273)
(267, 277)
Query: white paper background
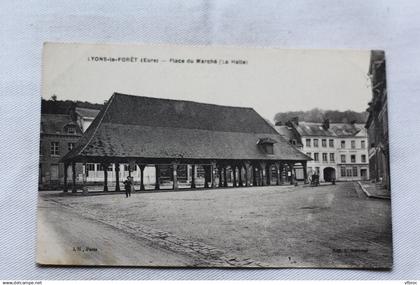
(25, 25)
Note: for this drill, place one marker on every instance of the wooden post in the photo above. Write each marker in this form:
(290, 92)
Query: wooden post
(246, 167)
(142, 166)
(206, 175)
(234, 175)
(263, 173)
(192, 176)
(66, 166)
(268, 174)
(175, 176)
(305, 172)
(73, 169)
(220, 170)
(225, 184)
(105, 167)
(157, 175)
(254, 176)
(278, 173)
(240, 175)
(213, 174)
(117, 177)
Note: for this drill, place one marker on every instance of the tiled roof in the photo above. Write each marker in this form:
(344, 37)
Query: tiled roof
(56, 123)
(142, 127)
(334, 130)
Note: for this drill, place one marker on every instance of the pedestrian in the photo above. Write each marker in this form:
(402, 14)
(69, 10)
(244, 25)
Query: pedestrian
(127, 187)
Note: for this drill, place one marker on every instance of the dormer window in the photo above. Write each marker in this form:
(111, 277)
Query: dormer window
(71, 130)
(266, 145)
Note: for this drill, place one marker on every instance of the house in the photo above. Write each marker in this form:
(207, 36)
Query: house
(58, 135)
(377, 122)
(339, 150)
(170, 136)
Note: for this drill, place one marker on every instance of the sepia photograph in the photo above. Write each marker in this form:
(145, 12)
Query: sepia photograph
(198, 156)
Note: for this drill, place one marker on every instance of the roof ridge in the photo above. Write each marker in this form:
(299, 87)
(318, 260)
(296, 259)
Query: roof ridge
(178, 100)
(97, 126)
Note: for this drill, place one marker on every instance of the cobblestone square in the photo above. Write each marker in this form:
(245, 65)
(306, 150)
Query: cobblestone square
(275, 226)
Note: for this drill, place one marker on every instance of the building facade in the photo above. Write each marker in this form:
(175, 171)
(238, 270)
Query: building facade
(339, 151)
(59, 135)
(377, 123)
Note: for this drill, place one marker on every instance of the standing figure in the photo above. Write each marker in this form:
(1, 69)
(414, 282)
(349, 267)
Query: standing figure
(127, 187)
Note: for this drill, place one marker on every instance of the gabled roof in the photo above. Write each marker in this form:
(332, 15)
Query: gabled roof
(143, 127)
(55, 124)
(334, 130)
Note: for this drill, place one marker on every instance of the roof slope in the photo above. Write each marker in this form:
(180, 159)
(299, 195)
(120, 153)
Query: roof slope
(142, 127)
(55, 124)
(335, 129)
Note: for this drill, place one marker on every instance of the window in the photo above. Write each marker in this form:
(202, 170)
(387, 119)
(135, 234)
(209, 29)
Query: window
(71, 130)
(308, 154)
(355, 171)
(308, 142)
(325, 157)
(90, 167)
(348, 172)
(316, 156)
(269, 147)
(353, 144)
(343, 144)
(324, 142)
(54, 148)
(317, 170)
(343, 158)
(362, 144)
(293, 143)
(127, 167)
(71, 146)
(101, 168)
(363, 158)
(353, 158)
(332, 157)
(315, 142)
(331, 143)
(343, 171)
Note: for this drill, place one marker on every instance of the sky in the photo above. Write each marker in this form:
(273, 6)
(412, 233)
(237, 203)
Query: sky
(268, 80)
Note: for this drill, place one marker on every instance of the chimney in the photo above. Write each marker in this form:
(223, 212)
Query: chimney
(326, 124)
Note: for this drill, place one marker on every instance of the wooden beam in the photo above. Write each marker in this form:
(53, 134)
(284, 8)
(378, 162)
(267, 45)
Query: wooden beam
(117, 177)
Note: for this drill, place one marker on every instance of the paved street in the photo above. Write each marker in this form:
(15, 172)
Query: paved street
(327, 226)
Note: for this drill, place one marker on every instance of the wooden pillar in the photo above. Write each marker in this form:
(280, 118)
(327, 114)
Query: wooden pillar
(142, 166)
(246, 168)
(240, 175)
(105, 167)
(305, 172)
(213, 174)
(175, 176)
(193, 176)
(254, 176)
(269, 174)
(234, 175)
(73, 170)
(281, 173)
(117, 177)
(225, 184)
(65, 189)
(157, 175)
(263, 173)
(277, 164)
(220, 169)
